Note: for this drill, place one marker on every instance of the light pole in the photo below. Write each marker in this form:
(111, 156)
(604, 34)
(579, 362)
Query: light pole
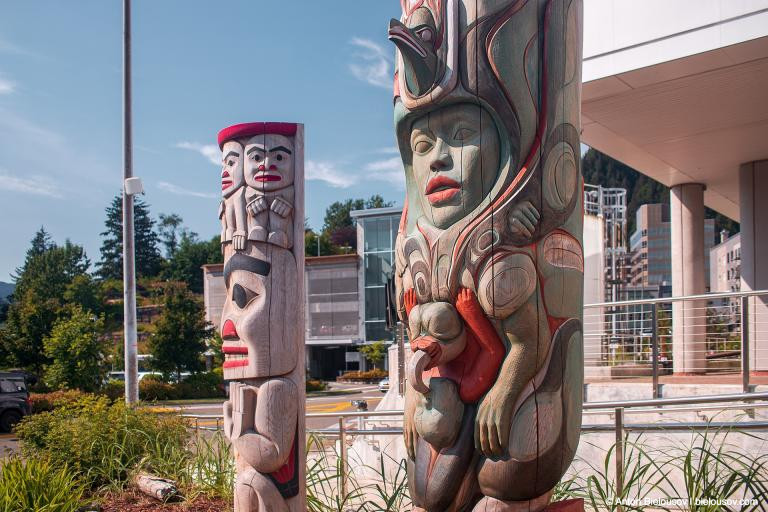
(129, 189)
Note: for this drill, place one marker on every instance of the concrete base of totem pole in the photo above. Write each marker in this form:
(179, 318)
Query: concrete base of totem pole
(576, 505)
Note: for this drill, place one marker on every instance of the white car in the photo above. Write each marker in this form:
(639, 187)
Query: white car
(384, 385)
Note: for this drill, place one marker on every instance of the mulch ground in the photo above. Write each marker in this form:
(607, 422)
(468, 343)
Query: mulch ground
(134, 501)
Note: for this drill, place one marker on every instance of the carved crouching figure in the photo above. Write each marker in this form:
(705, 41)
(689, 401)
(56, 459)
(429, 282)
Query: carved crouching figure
(261, 325)
(489, 263)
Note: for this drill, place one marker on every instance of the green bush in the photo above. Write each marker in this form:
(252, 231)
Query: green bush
(316, 385)
(152, 388)
(39, 485)
(114, 390)
(42, 402)
(375, 374)
(101, 442)
(201, 385)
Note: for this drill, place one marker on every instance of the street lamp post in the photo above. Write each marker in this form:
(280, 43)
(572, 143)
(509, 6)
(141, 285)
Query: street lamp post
(129, 267)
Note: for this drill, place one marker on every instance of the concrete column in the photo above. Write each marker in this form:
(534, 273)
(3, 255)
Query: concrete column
(689, 326)
(753, 202)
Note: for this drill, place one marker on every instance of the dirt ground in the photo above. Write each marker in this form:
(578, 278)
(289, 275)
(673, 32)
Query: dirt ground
(134, 501)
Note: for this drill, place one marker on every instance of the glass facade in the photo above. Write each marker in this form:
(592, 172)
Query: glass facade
(332, 302)
(378, 252)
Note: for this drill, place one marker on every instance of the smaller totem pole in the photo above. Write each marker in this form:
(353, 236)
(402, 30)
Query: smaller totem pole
(262, 213)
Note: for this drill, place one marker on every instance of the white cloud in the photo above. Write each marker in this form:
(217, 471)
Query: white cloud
(389, 170)
(329, 173)
(209, 151)
(181, 191)
(6, 86)
(372, 63)
(34, 185)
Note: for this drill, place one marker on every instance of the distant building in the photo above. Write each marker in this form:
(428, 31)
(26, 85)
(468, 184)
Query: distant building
(725, 271)
(651, 247)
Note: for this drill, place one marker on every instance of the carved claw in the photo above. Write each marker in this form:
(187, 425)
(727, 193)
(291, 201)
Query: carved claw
(258, 205)
(410, 301)
(281, 207)
(467, 303)
(243, 408)
(238, 240)
(416, 367)
(523, 219)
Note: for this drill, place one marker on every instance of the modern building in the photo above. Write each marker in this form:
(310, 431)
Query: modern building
(725, 272)
(651, 250)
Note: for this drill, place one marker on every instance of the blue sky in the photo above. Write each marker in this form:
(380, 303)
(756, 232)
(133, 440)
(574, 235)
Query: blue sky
(198, 66)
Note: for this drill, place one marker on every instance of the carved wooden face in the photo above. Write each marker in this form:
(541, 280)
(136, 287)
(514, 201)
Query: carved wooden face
(455, 161)
(231, 167)
(260, 319)
(269, 162)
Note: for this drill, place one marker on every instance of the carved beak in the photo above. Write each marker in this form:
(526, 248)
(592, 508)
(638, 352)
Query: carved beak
(419, 58)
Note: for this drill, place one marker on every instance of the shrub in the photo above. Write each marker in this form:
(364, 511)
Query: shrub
(152, 388)
(40, 485)
(114, 390)
(316, 385)
(201, 385)
(375, 374)
(99, 441)
(42, 402)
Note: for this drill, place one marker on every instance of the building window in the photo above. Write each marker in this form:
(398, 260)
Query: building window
(332, 302)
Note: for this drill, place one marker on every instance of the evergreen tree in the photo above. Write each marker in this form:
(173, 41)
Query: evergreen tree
(148, 259)
(190, 255)
(76, 350)
(171, 231)
(41, 242)
(178, 342)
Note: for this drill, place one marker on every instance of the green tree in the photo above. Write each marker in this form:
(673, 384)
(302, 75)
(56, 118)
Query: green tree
(178, 342)
(338, 224)
(171, 228)
(318, 244)
(374, 352)
(76, 350)
(49, 284)
(148, 259)
(190, 255)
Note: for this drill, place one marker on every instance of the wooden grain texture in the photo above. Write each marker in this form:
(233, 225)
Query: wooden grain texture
(263, 319)
(487, 119)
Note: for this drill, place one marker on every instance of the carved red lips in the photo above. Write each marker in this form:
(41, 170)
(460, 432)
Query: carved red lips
(235, 355)
(262, 175)
(441, 189)
(226, 180)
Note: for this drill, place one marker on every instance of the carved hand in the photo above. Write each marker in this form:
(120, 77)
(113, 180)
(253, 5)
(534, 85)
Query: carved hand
(409, 425)
(239, 410)
(258, 205)
(523, 219)
(238, 240)
(492, 424)
(281, 207)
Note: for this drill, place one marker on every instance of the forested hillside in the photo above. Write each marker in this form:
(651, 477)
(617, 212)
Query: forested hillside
(600, 169)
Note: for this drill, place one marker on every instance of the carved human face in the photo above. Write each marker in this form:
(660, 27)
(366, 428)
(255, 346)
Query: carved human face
(260, 324)
(269, 162)
(231, 167)
(455, 161)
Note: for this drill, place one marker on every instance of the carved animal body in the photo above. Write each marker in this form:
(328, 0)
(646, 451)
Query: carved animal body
(261, 322)
(489, 261)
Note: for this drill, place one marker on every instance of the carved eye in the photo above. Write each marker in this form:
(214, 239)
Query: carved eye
(463, 134)
(425, 34)
(422, 146)
(242, 296)
(256, 157)
(231, 163)
(279, 158)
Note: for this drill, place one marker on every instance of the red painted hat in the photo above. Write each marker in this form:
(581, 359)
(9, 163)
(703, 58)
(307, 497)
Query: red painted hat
(237, 131)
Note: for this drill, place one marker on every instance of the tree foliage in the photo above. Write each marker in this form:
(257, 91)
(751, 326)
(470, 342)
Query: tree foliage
(178, 342)
(76, 351)
(188, 258)
(338, 226)
(374, 352)
(51, 282)
(148, 258)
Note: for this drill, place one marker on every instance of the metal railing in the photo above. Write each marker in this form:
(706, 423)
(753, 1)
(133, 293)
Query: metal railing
(634, 339)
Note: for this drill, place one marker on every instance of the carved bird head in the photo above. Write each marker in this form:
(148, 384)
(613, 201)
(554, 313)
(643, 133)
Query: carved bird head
(417, 39)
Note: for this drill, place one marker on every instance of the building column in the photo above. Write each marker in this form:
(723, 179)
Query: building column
(689, 326)
(753, 191)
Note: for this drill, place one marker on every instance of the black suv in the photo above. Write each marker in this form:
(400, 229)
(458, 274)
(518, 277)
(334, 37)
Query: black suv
(14, 399)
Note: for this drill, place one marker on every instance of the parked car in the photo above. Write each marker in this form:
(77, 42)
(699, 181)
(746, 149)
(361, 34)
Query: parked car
(14, 400)
(384, 385)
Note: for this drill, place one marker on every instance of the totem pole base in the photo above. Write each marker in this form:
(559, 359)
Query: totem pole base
(576, 505)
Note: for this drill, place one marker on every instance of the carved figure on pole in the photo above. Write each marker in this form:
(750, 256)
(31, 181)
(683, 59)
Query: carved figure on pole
(263, 317)
(489, 261)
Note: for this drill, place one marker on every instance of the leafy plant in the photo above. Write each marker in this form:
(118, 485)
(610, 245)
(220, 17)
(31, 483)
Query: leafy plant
(40, 485)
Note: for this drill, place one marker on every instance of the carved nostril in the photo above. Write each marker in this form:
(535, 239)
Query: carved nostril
(442, 162)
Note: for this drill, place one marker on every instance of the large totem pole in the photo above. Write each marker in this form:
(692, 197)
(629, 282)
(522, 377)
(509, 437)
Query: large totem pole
(262, 235)
(489, 262)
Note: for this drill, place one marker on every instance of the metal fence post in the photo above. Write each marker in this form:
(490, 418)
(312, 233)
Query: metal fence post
(655, 349)
(744, 304)
(619, 454)
(342, 462)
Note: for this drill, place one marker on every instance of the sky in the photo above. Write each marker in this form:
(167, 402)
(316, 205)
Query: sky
(198, 66)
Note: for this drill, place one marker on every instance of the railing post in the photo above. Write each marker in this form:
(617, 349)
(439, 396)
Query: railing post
(744, 306)
(342, 462)
(655, 349)
(619, 454)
